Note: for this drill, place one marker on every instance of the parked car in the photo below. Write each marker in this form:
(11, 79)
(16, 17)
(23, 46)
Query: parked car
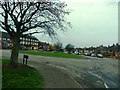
(93, 55)
(65, 52)
(100, 55)
(87, 54)
(77, 53)
(118, 55)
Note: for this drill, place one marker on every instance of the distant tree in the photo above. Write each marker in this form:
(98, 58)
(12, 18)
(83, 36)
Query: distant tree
(98, 50)
(26, 18)
(58, 46)
(69, 48)
(118, 47)
(51, 47)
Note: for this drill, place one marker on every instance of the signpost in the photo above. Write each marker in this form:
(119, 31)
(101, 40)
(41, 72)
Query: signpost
(25, 58)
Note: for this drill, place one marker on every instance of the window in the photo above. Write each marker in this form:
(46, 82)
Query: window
(20, 42)
(23, 42)
(8, 44)
(8, 39)
(4, 39)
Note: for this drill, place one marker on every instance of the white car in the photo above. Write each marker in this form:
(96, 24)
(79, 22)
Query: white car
(93, 55)
(77, 53)
(100, 55)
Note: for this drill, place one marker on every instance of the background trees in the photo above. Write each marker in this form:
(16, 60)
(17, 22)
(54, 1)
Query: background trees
(69, 48)
(26, 18)
(58, 46)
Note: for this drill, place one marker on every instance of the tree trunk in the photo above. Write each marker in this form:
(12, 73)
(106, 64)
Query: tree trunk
(15, 52)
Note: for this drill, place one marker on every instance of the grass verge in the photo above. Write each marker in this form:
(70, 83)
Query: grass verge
(20, 77)
(53, 54)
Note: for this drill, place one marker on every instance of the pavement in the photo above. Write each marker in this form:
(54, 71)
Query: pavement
(74, 73)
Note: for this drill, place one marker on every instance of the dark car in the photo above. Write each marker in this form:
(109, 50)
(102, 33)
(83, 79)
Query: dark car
(87, 54)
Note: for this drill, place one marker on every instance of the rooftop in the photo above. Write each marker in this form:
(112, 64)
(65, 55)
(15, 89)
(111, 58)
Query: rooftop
(6, 35)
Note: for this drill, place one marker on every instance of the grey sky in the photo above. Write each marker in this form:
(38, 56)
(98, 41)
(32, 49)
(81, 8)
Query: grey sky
(94, 22)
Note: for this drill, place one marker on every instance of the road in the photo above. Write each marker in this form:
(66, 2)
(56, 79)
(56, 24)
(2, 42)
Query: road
(74, 73)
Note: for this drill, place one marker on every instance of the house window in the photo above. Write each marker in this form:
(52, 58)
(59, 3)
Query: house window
(8, 44)
(8, 39)
(23, 42)
(4, 38)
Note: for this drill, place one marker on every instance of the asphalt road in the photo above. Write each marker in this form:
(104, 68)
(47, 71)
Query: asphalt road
(74, 73)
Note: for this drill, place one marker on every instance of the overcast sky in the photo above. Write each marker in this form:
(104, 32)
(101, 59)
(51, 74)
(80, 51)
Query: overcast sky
(94, 23)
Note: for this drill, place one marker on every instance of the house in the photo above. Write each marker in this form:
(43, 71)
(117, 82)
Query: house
(27, 42)
(43, 46)
(5, 41)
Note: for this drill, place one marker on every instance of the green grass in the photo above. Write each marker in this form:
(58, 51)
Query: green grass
(20, 77)
(53, 54)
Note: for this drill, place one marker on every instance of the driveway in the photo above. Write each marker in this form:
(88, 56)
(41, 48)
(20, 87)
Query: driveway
(74, 73)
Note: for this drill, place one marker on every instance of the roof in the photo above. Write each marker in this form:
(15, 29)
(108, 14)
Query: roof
(43, 43)
(31, 37)
(6, 35)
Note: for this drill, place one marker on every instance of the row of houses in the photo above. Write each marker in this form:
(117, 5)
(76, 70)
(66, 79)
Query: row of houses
(110, 51)
(27, 42)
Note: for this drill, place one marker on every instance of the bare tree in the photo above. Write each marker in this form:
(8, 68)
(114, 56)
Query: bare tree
(26, 18)
(69, 48)
(58, 46)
